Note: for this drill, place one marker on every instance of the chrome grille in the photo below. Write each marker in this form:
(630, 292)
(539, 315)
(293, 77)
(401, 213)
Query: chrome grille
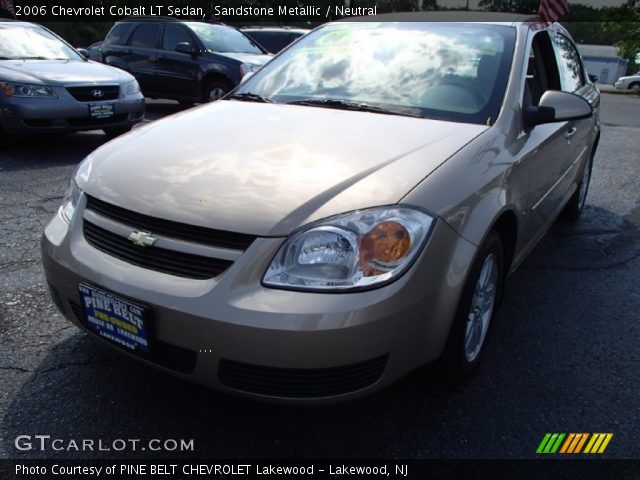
(168, 228)
(159, 259)
(96, 93)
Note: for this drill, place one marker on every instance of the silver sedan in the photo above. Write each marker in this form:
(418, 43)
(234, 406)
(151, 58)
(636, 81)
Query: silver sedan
(47, 87)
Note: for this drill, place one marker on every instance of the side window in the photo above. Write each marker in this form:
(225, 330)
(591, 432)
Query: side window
(569, 63)
(145, 35)
(542, 70)
(173, 35)
(118, 34)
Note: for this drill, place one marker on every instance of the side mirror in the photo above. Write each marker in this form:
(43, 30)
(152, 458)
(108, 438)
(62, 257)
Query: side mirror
(185, 47)
(593, 78)
(84, 52)
(556, 106)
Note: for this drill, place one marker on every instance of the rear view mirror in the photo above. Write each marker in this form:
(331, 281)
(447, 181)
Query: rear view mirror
(185, 47)
(556, 106)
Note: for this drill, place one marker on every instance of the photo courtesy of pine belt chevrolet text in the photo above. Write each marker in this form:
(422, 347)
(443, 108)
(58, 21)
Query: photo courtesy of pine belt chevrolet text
(348, 213)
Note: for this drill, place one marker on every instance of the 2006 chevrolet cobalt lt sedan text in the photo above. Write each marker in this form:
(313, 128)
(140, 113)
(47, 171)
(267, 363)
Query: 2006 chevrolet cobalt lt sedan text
(401, 172)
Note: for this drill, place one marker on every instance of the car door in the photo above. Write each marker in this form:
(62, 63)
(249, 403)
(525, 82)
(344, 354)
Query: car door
(141, 53)
(114, 47)
(178, 74)
(573, 79)
(543, 149)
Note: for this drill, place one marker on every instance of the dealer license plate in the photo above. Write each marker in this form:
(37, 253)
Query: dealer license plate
(115, 319)
(101, 110)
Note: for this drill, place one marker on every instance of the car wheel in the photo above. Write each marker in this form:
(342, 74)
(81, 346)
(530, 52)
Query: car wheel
(574, 207)
(215, 90)
(116, 131)
(635, 86)
(476, 309)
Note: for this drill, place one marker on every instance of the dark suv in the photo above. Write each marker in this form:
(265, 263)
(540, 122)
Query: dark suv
(274, 39)
(181, 60)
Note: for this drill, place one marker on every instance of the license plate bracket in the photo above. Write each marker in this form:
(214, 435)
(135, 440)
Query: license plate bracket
(116, 319)
(101, 110)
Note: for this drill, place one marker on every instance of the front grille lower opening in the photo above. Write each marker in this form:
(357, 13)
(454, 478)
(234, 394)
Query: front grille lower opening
(301, 383)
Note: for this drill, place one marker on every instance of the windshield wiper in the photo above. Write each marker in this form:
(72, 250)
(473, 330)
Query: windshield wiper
(31, 58)
(347, 105)
(251, 97)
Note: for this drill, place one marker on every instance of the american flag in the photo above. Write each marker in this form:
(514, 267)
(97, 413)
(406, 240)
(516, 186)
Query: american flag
(551, 10)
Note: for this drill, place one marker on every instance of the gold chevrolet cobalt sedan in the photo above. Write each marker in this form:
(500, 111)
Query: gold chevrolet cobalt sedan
(347, 214)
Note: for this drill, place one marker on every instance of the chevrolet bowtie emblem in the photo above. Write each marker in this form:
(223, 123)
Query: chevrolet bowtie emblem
(142, 239)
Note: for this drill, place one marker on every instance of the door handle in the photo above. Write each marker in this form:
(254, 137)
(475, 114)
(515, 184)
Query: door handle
(570, 133)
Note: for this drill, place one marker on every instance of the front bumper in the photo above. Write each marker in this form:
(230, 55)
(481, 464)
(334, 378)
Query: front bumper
(22, 116)
(230, 333)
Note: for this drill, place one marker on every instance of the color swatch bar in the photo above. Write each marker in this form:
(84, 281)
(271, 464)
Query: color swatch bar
(574, 443)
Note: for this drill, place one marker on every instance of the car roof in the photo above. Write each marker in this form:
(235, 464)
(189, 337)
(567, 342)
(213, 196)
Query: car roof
(149, 19)
(18, 23)
(459, 16)
(276, 29)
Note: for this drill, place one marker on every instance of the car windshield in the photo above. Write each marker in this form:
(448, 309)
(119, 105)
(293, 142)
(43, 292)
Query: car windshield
(218, 38)
(17, 42)
(454, 72)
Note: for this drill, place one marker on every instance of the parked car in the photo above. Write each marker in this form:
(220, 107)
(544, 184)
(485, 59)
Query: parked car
(631, 82)
(47, 86)
(403, 170)
(185, 61)
(274, 39)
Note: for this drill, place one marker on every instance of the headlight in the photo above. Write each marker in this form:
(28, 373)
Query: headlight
(70, 200)
(131, 88)
(248, 68)
(353, 251)
(25, 90)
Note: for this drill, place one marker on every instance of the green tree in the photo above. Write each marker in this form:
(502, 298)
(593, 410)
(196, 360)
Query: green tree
(624, 23)
(585, 23)
(403, 5)
(512, 6)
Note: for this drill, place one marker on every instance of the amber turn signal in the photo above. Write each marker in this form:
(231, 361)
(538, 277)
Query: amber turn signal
(385, 244)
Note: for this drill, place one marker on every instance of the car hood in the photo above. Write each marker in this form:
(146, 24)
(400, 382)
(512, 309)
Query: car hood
(267, 169)
(60, 72)
(251, 58)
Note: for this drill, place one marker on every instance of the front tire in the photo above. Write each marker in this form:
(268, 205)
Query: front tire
(476, 310)
(215, 90)
(635, 86)
(574, 207)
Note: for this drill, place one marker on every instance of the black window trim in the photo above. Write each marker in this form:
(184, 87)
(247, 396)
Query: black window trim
(141, 24)
(194, 38)
(583, 80)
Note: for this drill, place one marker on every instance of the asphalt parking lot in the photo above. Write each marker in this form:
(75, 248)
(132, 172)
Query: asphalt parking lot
(564, 354)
